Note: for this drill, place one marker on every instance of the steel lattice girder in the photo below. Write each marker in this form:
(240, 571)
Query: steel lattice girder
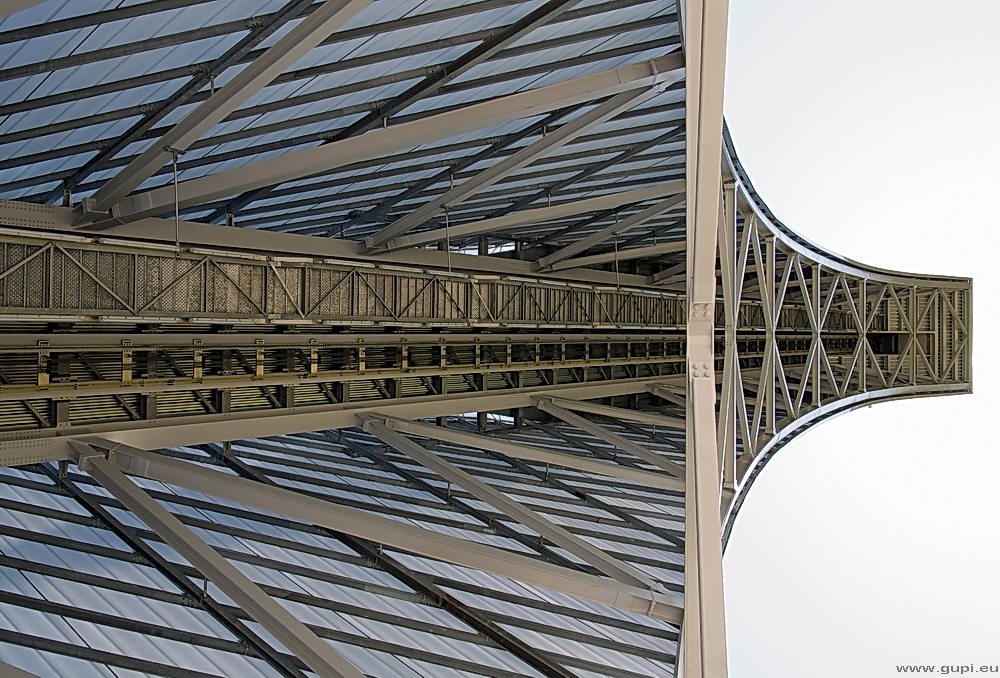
(532, 353)
(802, 336)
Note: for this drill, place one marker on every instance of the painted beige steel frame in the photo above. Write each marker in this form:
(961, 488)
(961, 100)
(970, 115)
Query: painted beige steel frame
(703, 651)
(536, 215)
(310, 32)
(315, 652)
(620, 255)
(546, 144)
(620, 442)
(32, 220)
(308, 162)
(658, 604)
(767, 265)
(22, 447)
(545, 528)
(626, 413)
(615, 229)
(534, 453)
(77, 277)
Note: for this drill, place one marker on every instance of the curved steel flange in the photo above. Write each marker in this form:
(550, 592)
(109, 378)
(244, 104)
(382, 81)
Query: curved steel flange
(875, 335)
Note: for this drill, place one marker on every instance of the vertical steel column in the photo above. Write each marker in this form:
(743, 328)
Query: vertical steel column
(912, 314)
(703, 654)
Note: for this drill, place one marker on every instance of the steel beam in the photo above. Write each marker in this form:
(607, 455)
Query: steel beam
(419, 187)
(569, 403)
(659, 604)
(533, 453)
(671, 396)
(536, 215)
(317, 654)
(50, 221)
(486, 517)
(25, 452)
(620, 255)
(434, 595)
(51, 444)
(546, 144)
(703, 654)
(84, 278)
(399, 137)
(46, 219)
(615, 229)
(545, 528)
(254, 377)
(101, 342)
(284, 664)
(440, 76)
(616, 159)
(310, 32)
(610, 438)
(185, 93)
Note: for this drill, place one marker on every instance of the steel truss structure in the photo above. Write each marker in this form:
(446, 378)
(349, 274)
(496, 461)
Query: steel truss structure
(417, 338)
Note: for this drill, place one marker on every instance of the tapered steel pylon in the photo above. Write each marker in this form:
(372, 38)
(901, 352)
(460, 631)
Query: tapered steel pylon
(497, 419)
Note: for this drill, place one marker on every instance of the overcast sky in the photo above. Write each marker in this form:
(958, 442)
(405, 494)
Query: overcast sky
(870, 127)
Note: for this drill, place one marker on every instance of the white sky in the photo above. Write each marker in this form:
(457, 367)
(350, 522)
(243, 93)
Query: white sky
(873, 540)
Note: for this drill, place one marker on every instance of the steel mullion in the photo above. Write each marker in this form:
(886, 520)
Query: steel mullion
(368, 59)
(92, 656)
(66, 611)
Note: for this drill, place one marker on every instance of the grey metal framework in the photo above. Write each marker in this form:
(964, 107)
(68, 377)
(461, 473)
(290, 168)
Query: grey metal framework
(401, 338)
